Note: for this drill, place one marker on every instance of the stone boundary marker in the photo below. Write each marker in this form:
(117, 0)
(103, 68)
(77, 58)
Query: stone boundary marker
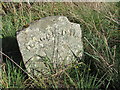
(53, 40)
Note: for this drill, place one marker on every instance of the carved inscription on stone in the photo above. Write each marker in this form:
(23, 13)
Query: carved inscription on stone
(52, 39)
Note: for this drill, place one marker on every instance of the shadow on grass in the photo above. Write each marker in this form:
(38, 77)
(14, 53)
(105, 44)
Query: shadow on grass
(11, 49)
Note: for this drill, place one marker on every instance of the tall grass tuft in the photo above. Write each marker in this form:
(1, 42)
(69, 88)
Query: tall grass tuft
(12, 77)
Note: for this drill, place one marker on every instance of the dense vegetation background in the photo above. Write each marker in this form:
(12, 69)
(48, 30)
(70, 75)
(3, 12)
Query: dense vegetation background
(100, 66)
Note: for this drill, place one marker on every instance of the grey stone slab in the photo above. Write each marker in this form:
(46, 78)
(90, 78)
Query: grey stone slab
(53, 38)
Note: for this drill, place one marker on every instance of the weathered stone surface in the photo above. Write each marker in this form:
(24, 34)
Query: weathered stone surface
(53, 38)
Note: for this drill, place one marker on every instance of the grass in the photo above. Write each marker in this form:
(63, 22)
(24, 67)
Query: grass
(12, 77)
(101, 39)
